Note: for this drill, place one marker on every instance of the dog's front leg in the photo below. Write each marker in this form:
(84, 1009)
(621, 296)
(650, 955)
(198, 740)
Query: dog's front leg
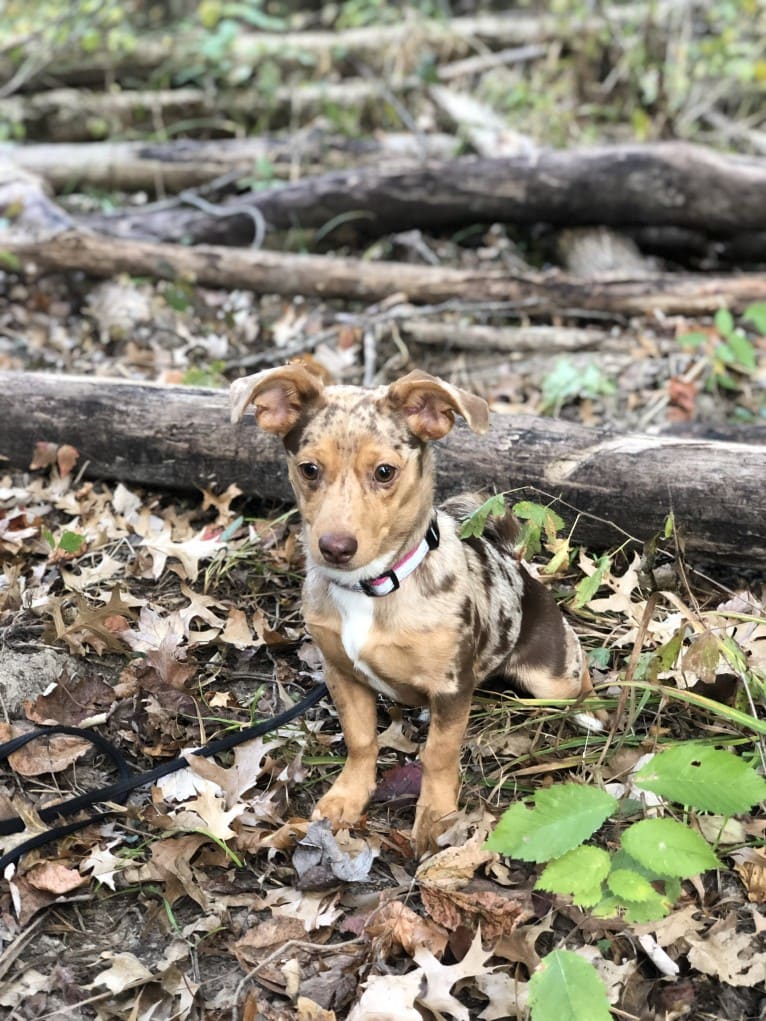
(441, 769)
(347, 799)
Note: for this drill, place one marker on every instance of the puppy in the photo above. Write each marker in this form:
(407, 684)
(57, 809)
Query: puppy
(397, 603)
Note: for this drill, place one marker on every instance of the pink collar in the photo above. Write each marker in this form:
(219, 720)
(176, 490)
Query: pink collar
(390, 580)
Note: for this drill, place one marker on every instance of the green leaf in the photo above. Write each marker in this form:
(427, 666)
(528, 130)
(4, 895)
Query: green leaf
(562, 817)
(756, 314)
(579, 872)
(588, 587)
(724, 322)
(475, 522)
(567, 988)
(71, 542)
(670, 525)
(630, 886)
(669, 848)
(702, 777)
(10, 261)
(693, 339)
(543, 516)
(49, 537)
(743, 350)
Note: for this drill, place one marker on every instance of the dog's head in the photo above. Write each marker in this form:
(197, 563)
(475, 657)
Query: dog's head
(358, 459)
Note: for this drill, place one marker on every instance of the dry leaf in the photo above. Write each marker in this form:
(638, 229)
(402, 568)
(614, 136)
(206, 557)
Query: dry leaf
(396, 925)
(44, 754)
(53, 877)
(125, 972)
(730, 956)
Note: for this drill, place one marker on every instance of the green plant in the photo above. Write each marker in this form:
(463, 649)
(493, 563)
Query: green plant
(567, 382)
(641, 879)
(68, 542)
(727, 350)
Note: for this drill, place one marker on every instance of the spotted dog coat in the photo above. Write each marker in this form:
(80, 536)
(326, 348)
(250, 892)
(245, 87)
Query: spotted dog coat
(361, 465)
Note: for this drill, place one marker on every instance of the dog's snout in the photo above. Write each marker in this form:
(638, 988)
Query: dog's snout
(337, 548)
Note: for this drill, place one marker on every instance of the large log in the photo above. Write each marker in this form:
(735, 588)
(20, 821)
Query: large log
(181, 438)
(540, 294)
(668, 184)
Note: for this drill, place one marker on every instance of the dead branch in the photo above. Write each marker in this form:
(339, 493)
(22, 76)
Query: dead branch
(178, 437)
(321, 276)
(159, 167)
(668, 184)
(77, 115)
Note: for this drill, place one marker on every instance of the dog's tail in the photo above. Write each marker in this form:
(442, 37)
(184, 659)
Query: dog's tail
(500, 530)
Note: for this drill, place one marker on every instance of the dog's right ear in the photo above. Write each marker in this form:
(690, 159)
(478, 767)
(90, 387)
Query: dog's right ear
(279, 396)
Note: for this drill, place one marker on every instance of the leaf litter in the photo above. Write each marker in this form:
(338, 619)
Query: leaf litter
(183, 620)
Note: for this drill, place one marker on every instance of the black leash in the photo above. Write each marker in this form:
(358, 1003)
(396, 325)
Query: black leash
(128, 781)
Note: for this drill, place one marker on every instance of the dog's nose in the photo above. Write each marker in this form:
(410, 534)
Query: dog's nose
(337, 549)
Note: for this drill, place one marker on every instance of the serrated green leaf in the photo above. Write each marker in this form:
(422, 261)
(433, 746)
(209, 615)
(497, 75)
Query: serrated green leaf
(630, 885)
(669, 848)
(702, 777)
(475, 522)
(71, 542)
(756, 314)
(724, 321)
(563, 817)
(539, 513)
(579, 872)
(567, 988)
(588, 587)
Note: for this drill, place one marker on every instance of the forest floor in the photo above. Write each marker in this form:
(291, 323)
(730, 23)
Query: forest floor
(167, 619)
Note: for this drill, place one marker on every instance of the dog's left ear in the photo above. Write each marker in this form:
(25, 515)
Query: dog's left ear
(430, 405)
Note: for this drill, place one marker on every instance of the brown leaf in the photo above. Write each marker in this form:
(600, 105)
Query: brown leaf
(44, 455)
(752, 872)
(71, 701)
(497, 910)
(66, 458)
(396, 925)
(682, 396)
(53, 877)
(44, 754)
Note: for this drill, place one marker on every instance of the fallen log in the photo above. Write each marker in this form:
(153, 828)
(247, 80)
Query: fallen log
(170, 167)
(668, 184)
(540, 294)
(181, 438)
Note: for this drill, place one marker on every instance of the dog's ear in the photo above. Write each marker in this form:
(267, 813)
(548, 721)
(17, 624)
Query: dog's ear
(429, 405)
(279, 396)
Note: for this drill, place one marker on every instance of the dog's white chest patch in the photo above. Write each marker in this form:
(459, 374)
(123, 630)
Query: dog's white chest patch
(356, 612)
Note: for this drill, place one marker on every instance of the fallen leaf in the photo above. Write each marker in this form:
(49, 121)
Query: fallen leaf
(730, 956)
(125, 972)
(396, 925)
(53, 877)
(751, 869)
(46, 754)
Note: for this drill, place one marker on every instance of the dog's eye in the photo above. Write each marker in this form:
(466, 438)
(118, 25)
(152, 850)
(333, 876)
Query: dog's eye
(384, 473)
(309, 471)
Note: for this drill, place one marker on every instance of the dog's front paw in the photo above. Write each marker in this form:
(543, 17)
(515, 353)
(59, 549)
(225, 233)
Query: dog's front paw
(342, 805)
